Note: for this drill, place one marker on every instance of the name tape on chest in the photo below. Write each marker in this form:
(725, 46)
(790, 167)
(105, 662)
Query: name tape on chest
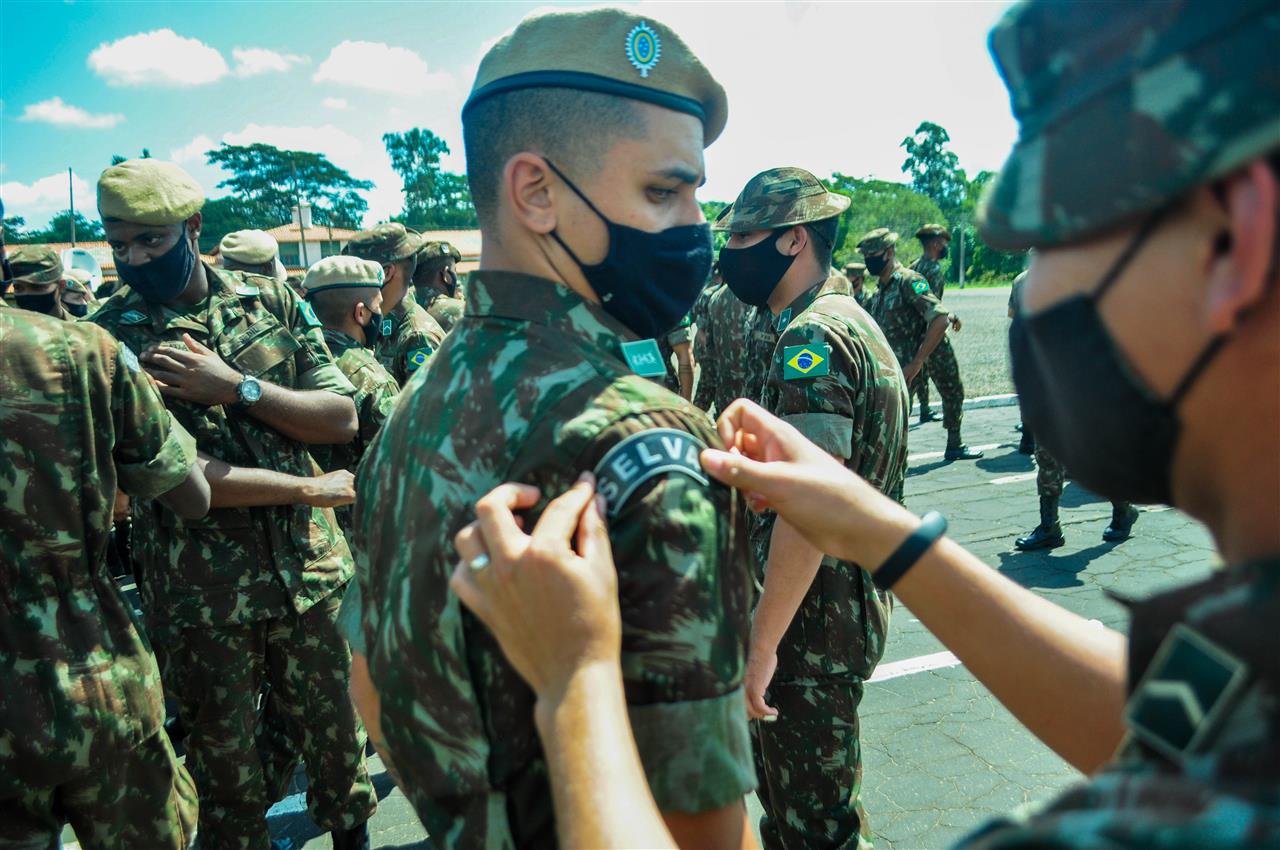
(645, 358)
(642, 456)
(806, 361)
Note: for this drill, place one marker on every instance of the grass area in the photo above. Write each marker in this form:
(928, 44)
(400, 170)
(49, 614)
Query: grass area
(982, 346)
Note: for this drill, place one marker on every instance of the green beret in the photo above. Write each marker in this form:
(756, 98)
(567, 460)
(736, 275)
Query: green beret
(780, 197)
(610, 51)
(877, 241)
(78, 280)
(251, 247)
(148, 191)
(342, 273)
(855, 269)
(929, 231)
(386, 243)
(35, 264)
(438, 250)
(1116, 127)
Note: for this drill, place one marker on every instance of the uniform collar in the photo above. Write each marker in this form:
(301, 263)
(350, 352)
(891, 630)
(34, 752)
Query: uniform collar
(528, 298)
(340, 342)
(802, 302)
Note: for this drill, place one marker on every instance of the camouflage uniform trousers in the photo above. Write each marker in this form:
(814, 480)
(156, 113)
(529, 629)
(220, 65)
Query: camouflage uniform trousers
(1051, 477)
(921, 387)
(217, 675)
(942, 368)
(809, 764)
(132, 796)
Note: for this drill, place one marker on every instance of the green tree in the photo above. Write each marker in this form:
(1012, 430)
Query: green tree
(434, 199)
(58, 230)
(711, 211)
(231, 213)
(274, 180)
(934, 170)
(13, 228)
(879, 203)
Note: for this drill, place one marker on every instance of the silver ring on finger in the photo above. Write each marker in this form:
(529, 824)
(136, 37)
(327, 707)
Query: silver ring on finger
(479, 562)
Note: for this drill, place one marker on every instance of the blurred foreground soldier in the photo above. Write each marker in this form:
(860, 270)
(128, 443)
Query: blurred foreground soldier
(435, 283)
(544, 378)
(77, 296)
(915, 323)
(820, 624)
(720, 340)
(254, 251)
(246, 595)
(1050, 479)
(81, 707)
(409, 336)
(857, 275)
(934, 239)
(1027, 444)
(38, 282)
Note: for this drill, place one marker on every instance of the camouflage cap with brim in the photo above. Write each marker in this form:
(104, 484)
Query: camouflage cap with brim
(35, 264)
(610, 51)
(1125, 109)
(855, 269)
(78, 280)
(780, 197)
(148, 191)
(437, 251)
(342, 273)
(877, 241)
(386, 243)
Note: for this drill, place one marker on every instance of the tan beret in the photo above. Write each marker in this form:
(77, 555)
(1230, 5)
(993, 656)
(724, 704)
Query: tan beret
(610, 51)
(148, 191)
(342, 272)
(35, 264)
(251, 247)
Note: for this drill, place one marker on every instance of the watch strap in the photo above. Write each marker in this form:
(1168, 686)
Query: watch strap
(932, 526)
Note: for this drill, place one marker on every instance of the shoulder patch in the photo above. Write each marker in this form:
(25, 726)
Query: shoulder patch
(644, 358)
(642, 456)
(417, 357)
(920, 285)
(130, 359)
(309, 317)
(388, 327)
(133, 317)
(806, 361)
(247, 290)
(784, 319)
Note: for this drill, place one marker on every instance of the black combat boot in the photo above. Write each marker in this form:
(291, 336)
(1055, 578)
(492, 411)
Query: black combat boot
(1123, 516)
(956, 450)
(927, 415)
(1027, 445)
(356, 838)
(1046, 535)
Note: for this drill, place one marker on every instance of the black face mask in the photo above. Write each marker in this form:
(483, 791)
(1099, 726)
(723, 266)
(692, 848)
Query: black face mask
(44, 302)
(450, 283)
(753, 273)
(647, 281)
(77, 310)
(166, 277)
(373, 330)
(1082, 400)
(875, 263)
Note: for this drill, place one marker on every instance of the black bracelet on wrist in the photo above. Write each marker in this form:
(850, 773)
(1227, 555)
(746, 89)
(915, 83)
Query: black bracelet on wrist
(932, 526)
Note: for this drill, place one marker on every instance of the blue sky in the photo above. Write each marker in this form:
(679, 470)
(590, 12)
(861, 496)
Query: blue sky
(825, 86)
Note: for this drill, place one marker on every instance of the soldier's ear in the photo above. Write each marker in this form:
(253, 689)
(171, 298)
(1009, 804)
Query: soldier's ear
(794, 240)
(530, 193)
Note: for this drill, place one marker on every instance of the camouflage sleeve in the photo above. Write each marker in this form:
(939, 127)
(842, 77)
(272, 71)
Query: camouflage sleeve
(812, 385)
(315, 365)
(153, 453)
(917, 293)
(704, 393)
(680, 550)
(682, 333)
(376, 405)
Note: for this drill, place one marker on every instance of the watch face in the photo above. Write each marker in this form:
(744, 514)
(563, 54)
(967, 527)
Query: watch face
(250, 390)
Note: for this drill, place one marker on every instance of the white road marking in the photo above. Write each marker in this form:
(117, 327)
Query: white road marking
(919, 664)
(290, 805)
(931, 455)
(1013, 479)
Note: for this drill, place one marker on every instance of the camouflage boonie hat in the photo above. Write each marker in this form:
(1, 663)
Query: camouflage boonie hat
(35, 264)
(1125, 109)
(855, 269)
(611, 51)
(780, 197)
(438, 250)
(78, 281)
(929, 231)
(877, 241)
(386, 243)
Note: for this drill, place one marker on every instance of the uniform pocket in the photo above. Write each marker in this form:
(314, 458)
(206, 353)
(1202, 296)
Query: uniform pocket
(264, 346)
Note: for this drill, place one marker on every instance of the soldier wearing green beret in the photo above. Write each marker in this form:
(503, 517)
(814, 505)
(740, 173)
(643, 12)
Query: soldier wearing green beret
(248, 594)
(435, 283)
(820, 625)
(38, 282)
(584, 138)
(915, 322)
(83, 746)
(410, 336)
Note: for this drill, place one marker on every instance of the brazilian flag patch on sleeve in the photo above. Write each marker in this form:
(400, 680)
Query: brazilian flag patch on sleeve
(417, 357)
(806, 361)
(921, 286)
(658, 451)
(308, 315)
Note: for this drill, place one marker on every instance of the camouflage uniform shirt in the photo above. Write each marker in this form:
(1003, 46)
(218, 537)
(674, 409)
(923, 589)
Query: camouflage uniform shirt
(79, 417)
(931, 270)
(445, 310)
(720, 319)
(532, 386)
(409, 337)
(903, 307)
(237, 565)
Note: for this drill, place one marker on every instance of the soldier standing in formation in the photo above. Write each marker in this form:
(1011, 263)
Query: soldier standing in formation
(915, 323)
(934, 239)
(409, 335)
(435, 283)
(249, 594)
(820, 624)
(567, 135)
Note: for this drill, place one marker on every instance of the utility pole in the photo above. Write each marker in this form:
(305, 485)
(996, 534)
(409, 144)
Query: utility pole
(302, 230)
(962, 255)
(71, 192)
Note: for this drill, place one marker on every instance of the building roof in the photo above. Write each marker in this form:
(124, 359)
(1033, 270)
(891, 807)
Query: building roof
(286, 233)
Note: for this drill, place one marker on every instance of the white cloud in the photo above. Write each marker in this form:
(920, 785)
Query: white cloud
(194, 150)
(40, 200)
(377, 66)
(55, 111)
(334, 103)
(252, 61)
(160, 57)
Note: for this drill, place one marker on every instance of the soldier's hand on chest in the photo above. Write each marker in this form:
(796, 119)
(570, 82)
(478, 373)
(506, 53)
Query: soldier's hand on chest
(192, 373)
